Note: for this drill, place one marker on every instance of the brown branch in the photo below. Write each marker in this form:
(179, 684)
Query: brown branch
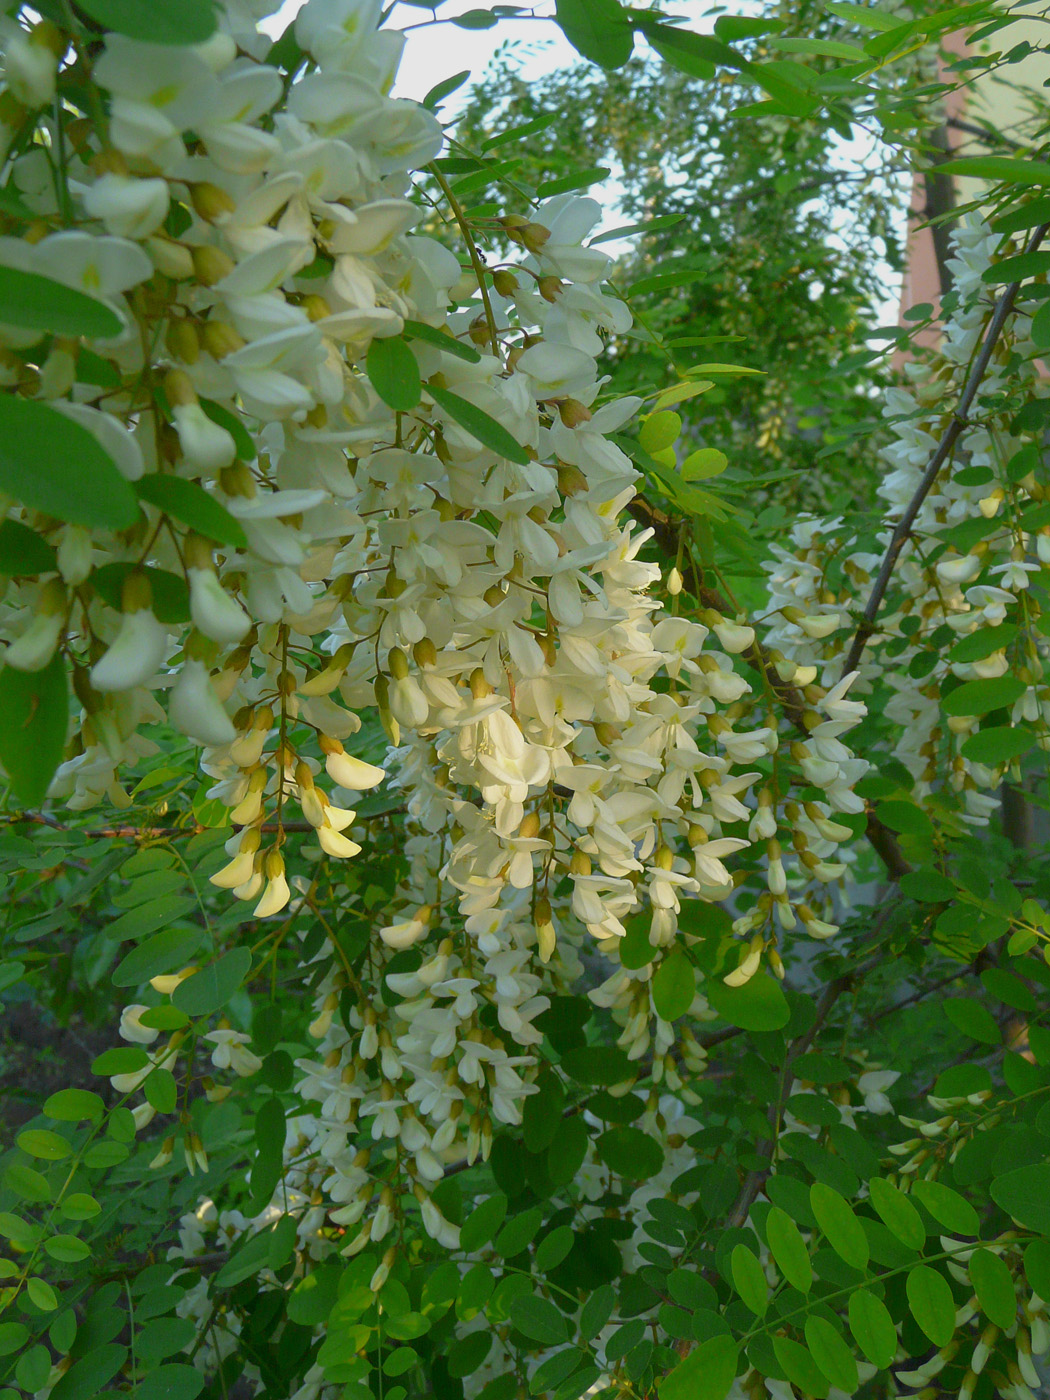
(940, 201)
(959, 422)
(886, 846)
(984, 133)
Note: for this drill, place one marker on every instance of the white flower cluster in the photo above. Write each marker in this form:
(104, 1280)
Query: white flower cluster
(459, 563)
(372, 475)
(961, 606)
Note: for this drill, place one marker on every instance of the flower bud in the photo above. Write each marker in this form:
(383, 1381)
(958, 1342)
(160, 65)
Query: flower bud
(212, 202)
(36, 646)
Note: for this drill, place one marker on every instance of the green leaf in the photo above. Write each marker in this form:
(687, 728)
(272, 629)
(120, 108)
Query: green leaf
(266, 1169)
(164, 1336)
(800, 1367)
(466, 1355)
(554, 1370)
(476, 19)
(168, 951)
(978, 697)
(67, 1249)
(540, 1320)
(733, 27)
(189, 502)
(597, 1311)
(482, 1223)
(692, 54)
(313, 1297)
(1037, 1267)
(832, 1354)
(826, 48)
(1035, 211)
(866, 16)
(419, 330)
(479, 425)
(624, 1339)
(985, 642)
(948, 1208)
(872, 1328)
(843, 1230)
(542, 1114)
(998, 745)
(33, 1368)
(629, 1152)
(234, 425)
(788, 1249)
(37, 303)
(661, 221)
(23, 553)
(87, 1377)
(566, 1154)
(674, 986)
(34, 715)
(1016, 269)
(80, 1206)
(707, 1373)
(704, 463)
(635, 949)
(660, 430)
(897, 1213)
(52, 464)
(1024, 1194)
(1040, 330)
(211, 988)
(994, 1285)
(518, 1233)
(554, 1248)
(122, 1059)
(74, 1105)
(13, 1336)
(972, 1019)
(161, 1090)
(146, 918)
(927, 885)
(175, 1381)
(749, 1279)
(759, 1005)
(597, 29)
(905, 817)
(931, 1302)
(1013, 170)
(43, 1295)
(42, 1143)
(160, 22)
(394, 373)
(578, 180)
(446, 88)
(251, 1255)
(598, 1065)
(518, 133)
(171, 594)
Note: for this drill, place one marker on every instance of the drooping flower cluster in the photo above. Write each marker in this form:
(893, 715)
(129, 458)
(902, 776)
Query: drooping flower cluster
(338, 473)
(961, 606)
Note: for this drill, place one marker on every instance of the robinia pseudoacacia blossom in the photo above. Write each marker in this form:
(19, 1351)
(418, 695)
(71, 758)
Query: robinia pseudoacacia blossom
(294, 461)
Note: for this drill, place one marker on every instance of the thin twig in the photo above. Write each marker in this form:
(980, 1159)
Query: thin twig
(472, 249)
(986, 134)
(755, 1180)
(959, 422)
